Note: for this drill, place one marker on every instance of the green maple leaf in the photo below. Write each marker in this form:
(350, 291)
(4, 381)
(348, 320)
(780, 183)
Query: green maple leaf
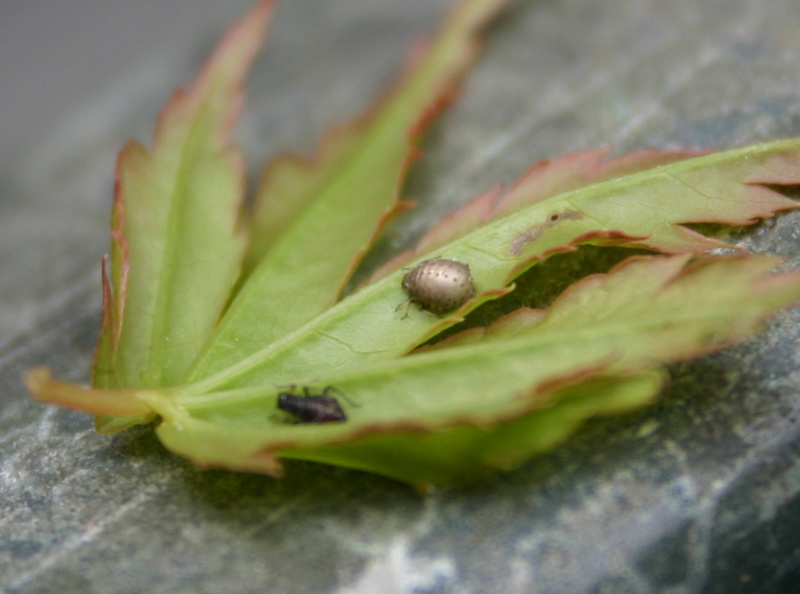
(190, 339)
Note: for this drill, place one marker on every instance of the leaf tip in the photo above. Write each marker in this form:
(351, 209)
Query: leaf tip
(35, 379)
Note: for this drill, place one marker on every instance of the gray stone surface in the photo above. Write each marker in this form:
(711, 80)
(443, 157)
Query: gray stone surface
(700, 493)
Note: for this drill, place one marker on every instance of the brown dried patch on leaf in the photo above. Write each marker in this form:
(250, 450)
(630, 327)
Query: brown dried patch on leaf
(536, 231)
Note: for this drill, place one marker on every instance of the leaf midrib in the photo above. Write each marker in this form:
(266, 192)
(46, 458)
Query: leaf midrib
(178, 203)
(190, 397)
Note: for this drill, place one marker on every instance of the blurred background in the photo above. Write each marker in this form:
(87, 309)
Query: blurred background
(699, 494)
(57, 56)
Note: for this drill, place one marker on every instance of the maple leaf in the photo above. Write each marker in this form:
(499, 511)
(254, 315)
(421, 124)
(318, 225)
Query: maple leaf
(598, 349)
(190, 339)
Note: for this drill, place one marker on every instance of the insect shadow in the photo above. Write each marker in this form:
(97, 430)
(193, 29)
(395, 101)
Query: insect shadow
(314, 408)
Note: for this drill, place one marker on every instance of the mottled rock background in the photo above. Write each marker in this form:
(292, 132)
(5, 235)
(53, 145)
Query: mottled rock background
(700, 493)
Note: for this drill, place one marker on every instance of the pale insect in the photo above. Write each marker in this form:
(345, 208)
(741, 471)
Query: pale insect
(439, 286)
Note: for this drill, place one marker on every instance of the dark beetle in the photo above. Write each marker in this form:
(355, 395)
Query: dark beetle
(313, 408)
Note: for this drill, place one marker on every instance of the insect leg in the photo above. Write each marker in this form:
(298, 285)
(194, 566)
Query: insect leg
(331, 389)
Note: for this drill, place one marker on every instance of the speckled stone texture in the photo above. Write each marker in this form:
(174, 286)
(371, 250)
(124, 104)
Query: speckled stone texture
(698, 494)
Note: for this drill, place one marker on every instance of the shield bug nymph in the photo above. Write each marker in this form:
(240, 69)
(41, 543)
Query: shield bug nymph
(439, 286)
(313, 408)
